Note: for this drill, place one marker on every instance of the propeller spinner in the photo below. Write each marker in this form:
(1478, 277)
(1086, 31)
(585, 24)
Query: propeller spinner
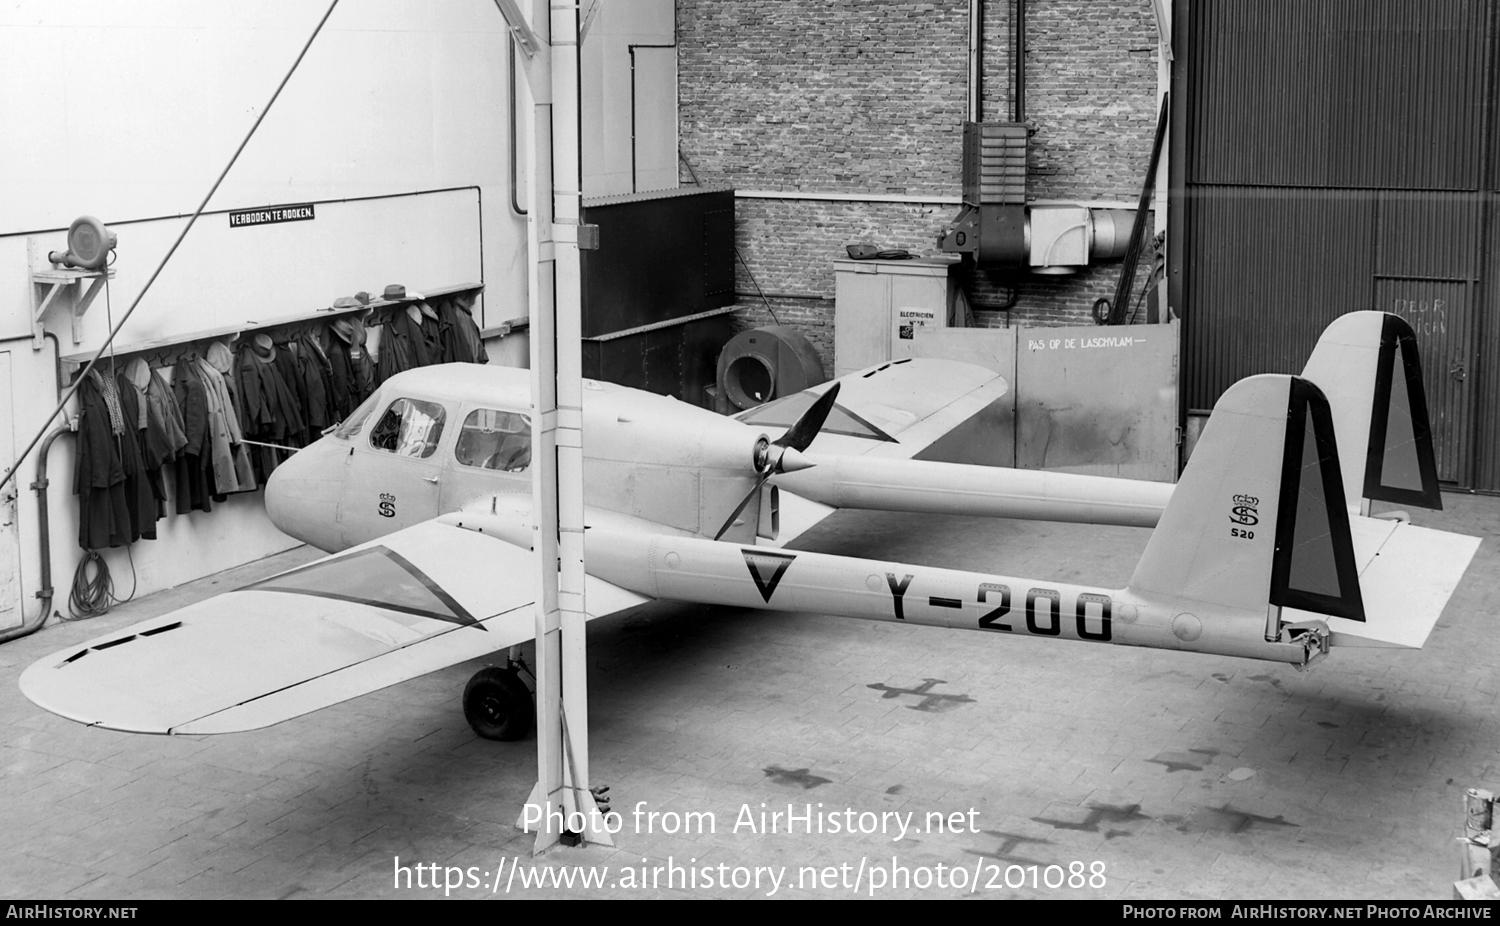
(784, 454)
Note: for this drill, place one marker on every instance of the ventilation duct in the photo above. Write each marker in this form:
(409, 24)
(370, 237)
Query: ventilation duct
(997, 229)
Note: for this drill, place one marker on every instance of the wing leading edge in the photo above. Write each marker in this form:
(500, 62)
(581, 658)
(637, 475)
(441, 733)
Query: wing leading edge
(415, 601)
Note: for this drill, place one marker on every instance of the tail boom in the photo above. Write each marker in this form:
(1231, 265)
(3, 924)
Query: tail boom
(985, 491)
(691, 569)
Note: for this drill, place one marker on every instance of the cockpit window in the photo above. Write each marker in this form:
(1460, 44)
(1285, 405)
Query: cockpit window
(409, 428)
(494, 439)
(350, 426)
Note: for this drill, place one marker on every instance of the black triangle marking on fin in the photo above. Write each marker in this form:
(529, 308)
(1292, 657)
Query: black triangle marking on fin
(766, 569)
(1313, 567)
(1400, 463)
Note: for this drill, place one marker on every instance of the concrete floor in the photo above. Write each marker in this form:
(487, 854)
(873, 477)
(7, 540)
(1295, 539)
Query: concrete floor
(1175, 775)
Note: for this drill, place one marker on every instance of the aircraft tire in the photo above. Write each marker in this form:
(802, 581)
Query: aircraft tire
(497, 705)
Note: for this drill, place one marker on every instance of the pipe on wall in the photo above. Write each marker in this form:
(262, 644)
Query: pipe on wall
(44, 534)
(1020, 61)
(510, 57)
(976, 60)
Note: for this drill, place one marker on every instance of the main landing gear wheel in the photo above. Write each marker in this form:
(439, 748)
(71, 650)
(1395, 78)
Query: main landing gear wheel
(498, 705)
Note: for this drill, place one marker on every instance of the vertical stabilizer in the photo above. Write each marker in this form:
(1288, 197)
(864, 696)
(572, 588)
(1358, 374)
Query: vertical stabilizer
(1368, 365)
(1258, 518)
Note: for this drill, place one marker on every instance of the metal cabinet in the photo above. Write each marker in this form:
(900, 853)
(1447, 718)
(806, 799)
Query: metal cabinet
(878, 305)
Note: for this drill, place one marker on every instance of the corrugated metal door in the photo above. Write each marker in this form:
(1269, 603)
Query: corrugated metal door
(1333, 160)
(1427, 271)
(1438, 311)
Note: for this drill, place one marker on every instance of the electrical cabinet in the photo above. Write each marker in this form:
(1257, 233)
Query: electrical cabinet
(879, 304)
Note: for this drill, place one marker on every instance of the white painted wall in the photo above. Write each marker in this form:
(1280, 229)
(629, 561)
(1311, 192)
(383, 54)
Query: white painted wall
(607, 79)
(128, 111)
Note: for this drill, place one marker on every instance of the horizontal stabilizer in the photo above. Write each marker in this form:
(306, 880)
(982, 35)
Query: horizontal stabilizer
(1407, 574)
(410, 603)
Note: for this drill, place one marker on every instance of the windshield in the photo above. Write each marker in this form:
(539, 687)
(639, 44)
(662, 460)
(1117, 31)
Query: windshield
(356, 420)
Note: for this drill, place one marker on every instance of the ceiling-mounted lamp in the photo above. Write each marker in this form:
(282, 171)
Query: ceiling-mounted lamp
(89, 244)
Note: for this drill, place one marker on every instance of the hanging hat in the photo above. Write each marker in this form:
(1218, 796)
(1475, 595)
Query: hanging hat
(138, 371)
(394, 293)
(264, 350)
(428, 310)
(350, 331)
(219, 357)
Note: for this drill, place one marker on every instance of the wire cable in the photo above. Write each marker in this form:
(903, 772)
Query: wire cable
(94, 595)
(90, 597)
(756, 284)
(109, 341)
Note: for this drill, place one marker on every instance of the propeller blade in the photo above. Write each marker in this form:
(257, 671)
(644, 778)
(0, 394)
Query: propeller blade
(741, 506)
(807, 427)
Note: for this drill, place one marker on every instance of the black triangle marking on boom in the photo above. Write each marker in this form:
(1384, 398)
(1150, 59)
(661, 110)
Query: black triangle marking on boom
(766, 569)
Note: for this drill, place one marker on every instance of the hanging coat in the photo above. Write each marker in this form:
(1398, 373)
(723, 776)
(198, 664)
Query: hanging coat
(162, 414)
(351, 373)
(271, 414)
(225, 478)
(402, 346)
(220, 361)
(157, 448)
(312, 365)
(195, 481)
(461, 340)
(98, 475)
(288, 367)
(433, 334)
(141, 481)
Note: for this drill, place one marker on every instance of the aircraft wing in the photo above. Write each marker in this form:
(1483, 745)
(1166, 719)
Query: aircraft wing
(901, 410)
(917, 408)
(420, 599)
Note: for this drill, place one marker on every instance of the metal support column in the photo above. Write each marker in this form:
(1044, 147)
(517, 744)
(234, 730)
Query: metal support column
(560, 802)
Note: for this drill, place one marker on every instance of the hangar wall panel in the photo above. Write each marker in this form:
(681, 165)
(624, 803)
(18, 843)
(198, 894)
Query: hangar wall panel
(1335, 160)
(1338, 93)
(1485, 372)
(1271, 267)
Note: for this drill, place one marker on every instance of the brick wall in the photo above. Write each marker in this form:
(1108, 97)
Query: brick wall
(869, 97)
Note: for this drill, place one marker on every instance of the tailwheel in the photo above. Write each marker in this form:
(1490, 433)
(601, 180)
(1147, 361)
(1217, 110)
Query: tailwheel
(498, 705)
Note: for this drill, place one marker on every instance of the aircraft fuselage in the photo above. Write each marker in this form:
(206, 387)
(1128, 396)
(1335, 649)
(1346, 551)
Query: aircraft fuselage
(437, 439)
